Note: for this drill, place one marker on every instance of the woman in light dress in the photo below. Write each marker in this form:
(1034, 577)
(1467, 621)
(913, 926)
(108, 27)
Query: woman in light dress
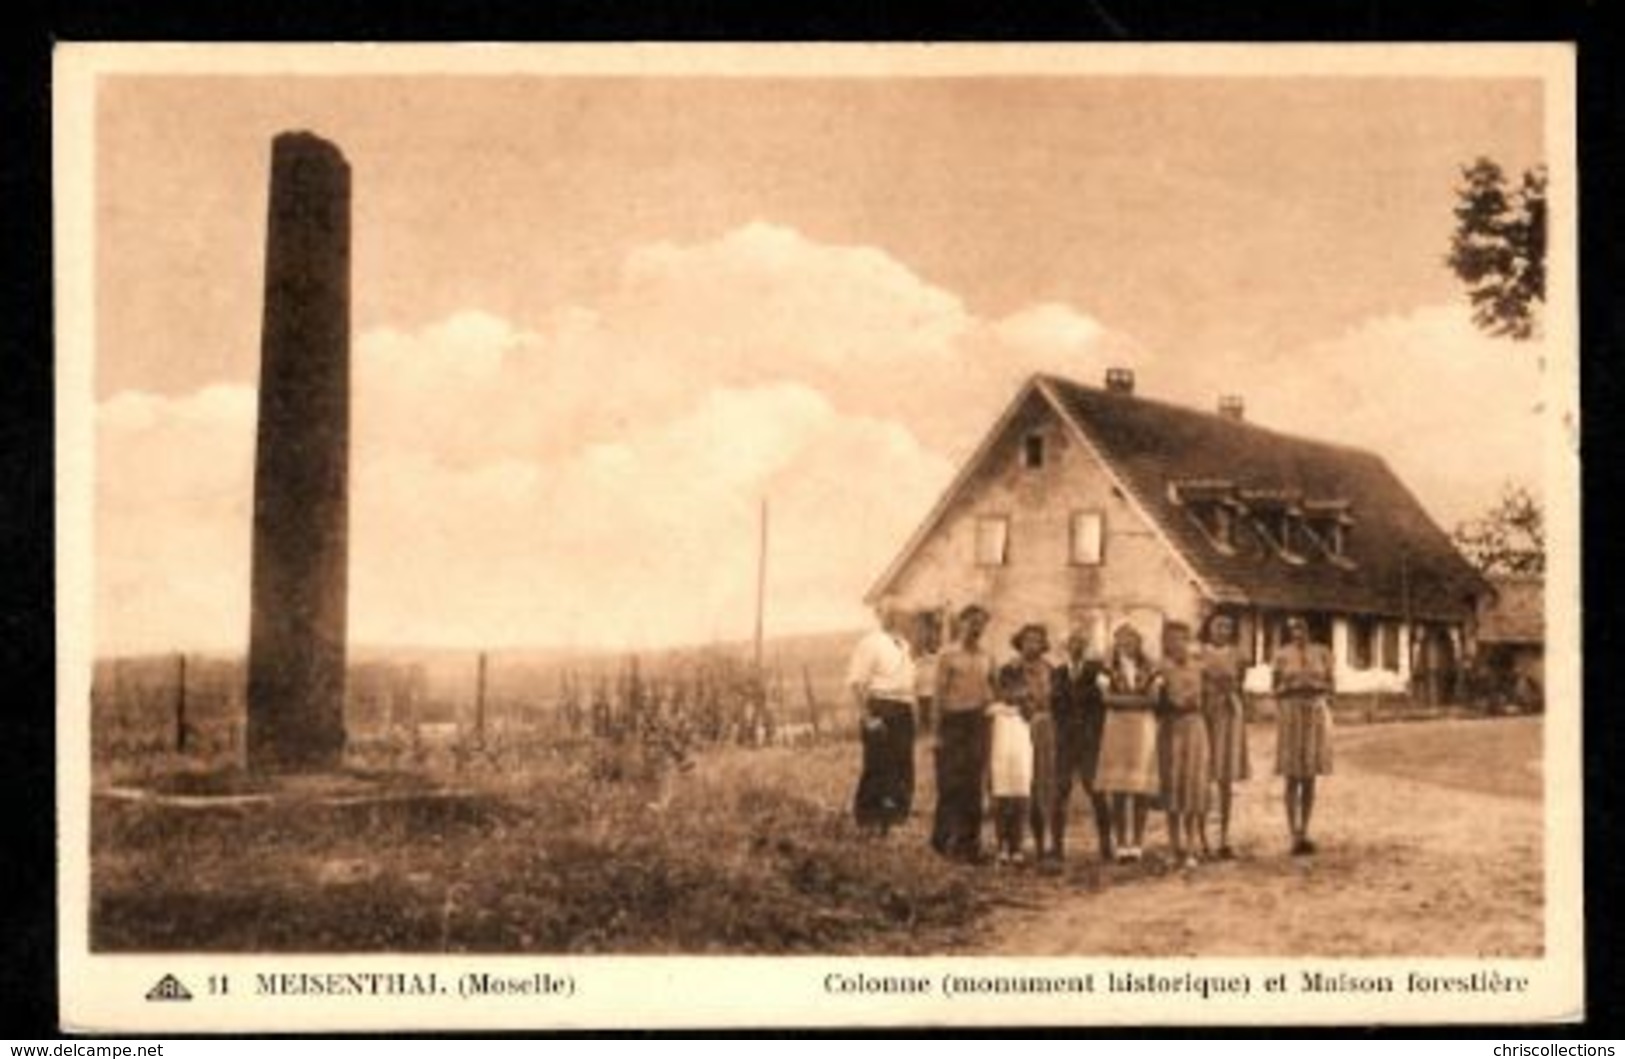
(1011, 762)
(1302, 677)
(1226, 713)
(1187, 760)
(1032, 667)
(1127, 770)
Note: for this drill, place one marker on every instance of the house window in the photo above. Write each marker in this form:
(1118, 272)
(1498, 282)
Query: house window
(1332, 536)
(1088, 538)
(1281, 530)
(1032, 451)
(1291, 531)
(1326, 525)
(1320, 627)
(1390, 646)
(992, 540)
(1217, 521)
(1335, 538)
(1362, 642)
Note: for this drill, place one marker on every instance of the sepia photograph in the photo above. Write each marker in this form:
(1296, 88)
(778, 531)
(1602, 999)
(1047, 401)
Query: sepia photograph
(1030, 534)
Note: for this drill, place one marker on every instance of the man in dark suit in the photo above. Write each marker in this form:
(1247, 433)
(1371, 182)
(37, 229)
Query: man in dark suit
(1080, 716)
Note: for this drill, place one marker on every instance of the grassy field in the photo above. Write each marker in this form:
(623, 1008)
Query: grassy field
(753, 853)
(1430, 833)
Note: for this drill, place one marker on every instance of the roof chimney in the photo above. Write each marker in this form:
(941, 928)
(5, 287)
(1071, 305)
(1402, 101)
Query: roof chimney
(1120, 380)
(1231, 406)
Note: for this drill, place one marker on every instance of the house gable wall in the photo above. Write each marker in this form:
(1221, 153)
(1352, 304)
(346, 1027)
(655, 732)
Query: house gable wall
(1139, 578)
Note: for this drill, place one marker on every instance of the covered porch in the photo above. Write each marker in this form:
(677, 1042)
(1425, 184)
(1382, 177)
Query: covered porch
(1373, 654)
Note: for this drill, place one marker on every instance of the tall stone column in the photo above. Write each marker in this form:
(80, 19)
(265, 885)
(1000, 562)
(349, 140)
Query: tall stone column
(296, 652)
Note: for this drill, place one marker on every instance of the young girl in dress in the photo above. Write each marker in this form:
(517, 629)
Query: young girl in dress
(1031, 644)
(1010, 764)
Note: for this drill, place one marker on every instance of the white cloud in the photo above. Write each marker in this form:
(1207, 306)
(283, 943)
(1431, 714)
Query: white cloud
(172, 516)
(1454, 411)
(1050, 327)
(648, 539)
(592, 474)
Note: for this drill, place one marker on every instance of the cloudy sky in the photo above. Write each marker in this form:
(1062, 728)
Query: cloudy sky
(597, 320)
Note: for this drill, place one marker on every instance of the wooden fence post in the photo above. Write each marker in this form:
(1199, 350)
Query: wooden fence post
(479, 704)
(812, 700)
(180, 703)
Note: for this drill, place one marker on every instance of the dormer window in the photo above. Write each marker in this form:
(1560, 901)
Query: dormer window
(1277, 519)
(1291, 533)
(1219, 519)
(1333, 537)
(1327, 524)
(1211, 504)
(1032, 451)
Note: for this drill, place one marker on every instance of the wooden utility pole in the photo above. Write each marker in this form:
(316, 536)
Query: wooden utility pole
(761, 586)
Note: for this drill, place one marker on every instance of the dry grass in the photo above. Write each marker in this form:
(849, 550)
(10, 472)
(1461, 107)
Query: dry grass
(1431, 838)
(753, 853)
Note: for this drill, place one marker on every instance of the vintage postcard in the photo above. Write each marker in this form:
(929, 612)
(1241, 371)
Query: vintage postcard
(647, 536)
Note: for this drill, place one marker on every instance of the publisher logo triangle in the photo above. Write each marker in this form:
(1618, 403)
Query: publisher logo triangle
(169, 988)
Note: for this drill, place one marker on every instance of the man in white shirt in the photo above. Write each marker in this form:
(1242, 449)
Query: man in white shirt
(881, 678)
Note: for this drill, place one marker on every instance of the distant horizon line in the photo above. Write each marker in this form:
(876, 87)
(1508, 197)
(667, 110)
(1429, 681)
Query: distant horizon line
(513, 648)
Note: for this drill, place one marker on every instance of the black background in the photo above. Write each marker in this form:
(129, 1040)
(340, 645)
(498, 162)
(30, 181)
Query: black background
(27, 695)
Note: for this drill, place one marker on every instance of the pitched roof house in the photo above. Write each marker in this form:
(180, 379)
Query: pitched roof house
(1084, 507)
(1515, 613)
(1512, 637)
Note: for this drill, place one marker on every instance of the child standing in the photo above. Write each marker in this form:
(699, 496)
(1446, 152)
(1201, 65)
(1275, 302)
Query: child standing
(1038, 678)
(1010, 764)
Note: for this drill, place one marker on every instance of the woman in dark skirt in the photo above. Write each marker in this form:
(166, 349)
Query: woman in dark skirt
(881, 678)
(963, 691)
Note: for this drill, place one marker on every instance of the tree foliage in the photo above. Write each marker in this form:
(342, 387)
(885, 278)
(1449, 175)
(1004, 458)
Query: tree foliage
(1499, 248)
(1510, 538)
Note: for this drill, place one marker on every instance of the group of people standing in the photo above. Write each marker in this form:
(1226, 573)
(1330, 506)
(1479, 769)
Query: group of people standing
(1131, 731)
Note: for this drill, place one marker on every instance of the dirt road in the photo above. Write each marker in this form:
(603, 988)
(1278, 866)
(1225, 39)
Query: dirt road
(1430, 837)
